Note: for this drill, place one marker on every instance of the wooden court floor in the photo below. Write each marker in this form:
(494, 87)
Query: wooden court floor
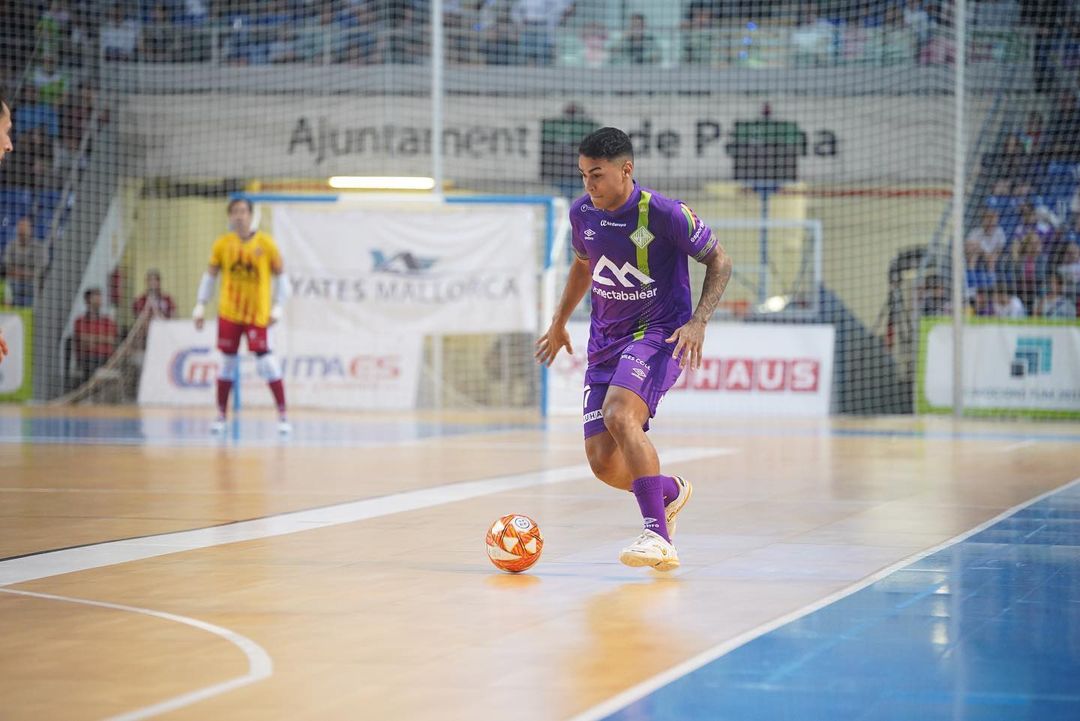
(149, 571)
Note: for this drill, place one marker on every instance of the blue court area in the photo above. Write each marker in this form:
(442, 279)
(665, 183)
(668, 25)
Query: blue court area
(194, 430)
(987, 629)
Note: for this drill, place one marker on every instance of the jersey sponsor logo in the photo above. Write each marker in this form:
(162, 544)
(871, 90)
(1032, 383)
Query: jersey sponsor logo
(611, 224)
(593, 416)
(243, 268)
(623, 275)
(404, 263)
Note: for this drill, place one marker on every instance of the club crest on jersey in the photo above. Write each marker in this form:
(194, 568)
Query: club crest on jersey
(641, 237)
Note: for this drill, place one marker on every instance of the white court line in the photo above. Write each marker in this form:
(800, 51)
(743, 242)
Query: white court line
(1015, 446)
(260, 666)
(44, 565)
(53, 563)
(635, 693)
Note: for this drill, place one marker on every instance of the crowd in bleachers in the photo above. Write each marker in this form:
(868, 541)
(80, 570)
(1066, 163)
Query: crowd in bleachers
(1023, 254)
(545, 32)
(45, 66)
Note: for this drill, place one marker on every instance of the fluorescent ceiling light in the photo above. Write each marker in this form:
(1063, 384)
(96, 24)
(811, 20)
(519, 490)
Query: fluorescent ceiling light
(376, 182)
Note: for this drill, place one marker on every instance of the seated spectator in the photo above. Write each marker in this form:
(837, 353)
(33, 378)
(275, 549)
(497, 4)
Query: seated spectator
(499, 41)
(1064, 128)
(980, 303)
(31, 113)
(159, 37)
(594, 40)
(94, 337)
(361, 43)
(52, 27)
(1027, 268)
(153, 300)
(917, 20)
(1055, 304)
(699, 35)
(50, 81)
(813, 39)
(1069, 268)
(1069, 236)
(24, 261)
(1030, 135)
(120, 36)
(1031, 221)
(65, 160)
(537, 21)
(1004, 304)
(406, 39)
(984, 244)
(321, 36)
(637, 46)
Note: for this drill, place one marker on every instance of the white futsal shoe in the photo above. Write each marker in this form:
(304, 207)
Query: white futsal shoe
(217, 428)
(686, 489)
(284, 428)
(650, 549)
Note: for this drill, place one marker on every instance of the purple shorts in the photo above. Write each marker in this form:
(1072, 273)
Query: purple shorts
(644, 366)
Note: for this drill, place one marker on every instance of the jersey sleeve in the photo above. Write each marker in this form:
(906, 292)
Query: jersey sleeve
(577, 240)
(276, 261)
(217, 253)
(691, 235)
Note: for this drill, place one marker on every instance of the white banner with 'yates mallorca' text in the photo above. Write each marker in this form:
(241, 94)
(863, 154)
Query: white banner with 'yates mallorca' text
(747, 369)
(359, 370)
(411, 268)
(1023, 366)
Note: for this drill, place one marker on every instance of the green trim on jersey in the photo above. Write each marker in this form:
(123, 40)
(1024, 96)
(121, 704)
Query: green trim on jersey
(643, 253)
(690, 224)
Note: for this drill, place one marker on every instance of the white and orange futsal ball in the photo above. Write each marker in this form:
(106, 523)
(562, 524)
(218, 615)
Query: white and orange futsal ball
(514, 543)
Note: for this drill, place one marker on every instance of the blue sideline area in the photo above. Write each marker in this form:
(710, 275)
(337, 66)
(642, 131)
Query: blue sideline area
(987, 629)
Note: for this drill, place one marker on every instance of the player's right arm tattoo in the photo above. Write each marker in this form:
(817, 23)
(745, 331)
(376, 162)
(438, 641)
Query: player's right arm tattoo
(717, 275)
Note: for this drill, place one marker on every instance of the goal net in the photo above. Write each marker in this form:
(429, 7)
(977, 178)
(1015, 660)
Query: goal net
(878, 171)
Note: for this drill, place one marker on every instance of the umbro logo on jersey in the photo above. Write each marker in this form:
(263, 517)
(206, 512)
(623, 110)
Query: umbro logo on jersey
(589, 233)
(623, 274)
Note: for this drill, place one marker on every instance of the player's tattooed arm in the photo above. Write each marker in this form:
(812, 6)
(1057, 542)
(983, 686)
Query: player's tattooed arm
(717, 274)
(690, 338)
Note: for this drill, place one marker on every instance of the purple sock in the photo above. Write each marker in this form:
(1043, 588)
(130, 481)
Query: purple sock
(649, 491)
(671, 488)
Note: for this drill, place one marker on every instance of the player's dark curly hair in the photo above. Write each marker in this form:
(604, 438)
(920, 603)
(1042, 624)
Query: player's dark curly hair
(607, 144)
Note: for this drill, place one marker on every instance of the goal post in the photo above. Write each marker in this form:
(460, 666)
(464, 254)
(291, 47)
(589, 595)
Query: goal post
(395, 301)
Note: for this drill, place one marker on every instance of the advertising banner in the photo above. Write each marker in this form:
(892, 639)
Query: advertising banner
(1020, 367)
(358, 371)
(747, 369)
(409, 269)
(16, 371)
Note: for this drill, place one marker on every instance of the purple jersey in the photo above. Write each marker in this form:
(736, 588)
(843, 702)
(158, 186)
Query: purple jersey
(638, 258)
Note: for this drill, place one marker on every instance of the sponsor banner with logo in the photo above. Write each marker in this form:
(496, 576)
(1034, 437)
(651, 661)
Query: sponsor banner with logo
(360, 371)
(1021, 367)
(747, 369)
(410, 268)
(16, 370)
(879, 138)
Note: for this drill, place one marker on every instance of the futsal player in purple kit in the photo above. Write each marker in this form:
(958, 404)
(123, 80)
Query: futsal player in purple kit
(632, 246)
